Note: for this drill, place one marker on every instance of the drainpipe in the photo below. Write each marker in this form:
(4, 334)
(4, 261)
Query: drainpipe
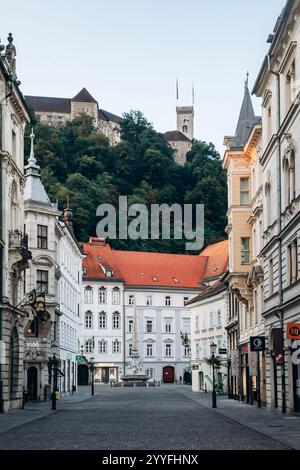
(279, 210)
(1, 268)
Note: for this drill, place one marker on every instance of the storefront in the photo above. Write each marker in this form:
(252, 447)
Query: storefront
(105, 373)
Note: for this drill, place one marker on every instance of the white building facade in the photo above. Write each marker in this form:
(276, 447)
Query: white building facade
(208, 325)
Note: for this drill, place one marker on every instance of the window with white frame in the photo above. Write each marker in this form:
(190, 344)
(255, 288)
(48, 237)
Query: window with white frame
(167, 300)
(116, 296)
(168, 350)
(131, 299)
(102, 295)
(116, 323)
(186, 325)
(244, 191)
(129, 349)
(42, 281)
(293, 273)
(186, 350)
(116, 346)
(149, 326)
(89, 346)
(149, 300)
(271, 276)
(168, 326)
(88, 320)
(150, 373)
(88, 295)
(149, 350)
(130, 324)
(219, 319)
(197, 350)
(102, 346)
(102, 320)
(245, 250)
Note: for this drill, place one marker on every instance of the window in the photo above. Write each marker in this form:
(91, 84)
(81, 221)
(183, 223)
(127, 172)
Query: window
(293, 262)
(198, 350)
(42, 280)
(184, 129)
(244, 191)
(149, 326)
(149, 300)
(102, 346)
(89, 346)
(130, 323)
(42, 236)
(271, 275)
(129, 349)
(131, 299)
(14, 144)
(167, 300)
(290, 85)
(102, 295)
(245, 250)
(116, 346)
(197, 323)
(149, 350)
(150, 373)
(168, 326)
(116, 321)
(186, 350)
(88, 295)
(219, 319)
(168, 350)
(88, 320)
(289, 178)
(186, 325)
(116, 296)
(102, 320)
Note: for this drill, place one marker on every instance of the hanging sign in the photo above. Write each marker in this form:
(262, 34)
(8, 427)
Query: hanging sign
(257, 343)
(293, 331)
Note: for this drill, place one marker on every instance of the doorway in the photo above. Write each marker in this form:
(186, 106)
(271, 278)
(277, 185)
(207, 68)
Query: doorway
(83, 374)
(105, 375)
(32, 383)
(168, 374)
(296, 386)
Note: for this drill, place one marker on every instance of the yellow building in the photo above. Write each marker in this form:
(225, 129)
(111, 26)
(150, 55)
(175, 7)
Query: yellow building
(245, 273)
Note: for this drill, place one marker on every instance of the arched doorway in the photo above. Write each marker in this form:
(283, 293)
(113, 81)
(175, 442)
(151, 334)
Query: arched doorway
(168, 374)
(32, 383)
(14, 365)
(83, 374)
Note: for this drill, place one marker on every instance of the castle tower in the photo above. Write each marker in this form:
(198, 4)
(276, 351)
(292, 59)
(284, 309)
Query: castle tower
(185, 120)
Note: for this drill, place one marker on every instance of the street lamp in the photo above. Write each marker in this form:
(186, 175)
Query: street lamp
(92, 369)
(53, 363)
(213, 349)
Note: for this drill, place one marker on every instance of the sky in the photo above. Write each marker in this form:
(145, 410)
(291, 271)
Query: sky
(128, 54)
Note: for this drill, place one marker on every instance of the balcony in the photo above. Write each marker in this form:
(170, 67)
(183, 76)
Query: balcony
(18, 249)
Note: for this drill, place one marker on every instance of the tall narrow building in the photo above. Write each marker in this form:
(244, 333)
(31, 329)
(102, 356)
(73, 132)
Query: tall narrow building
(181, 139)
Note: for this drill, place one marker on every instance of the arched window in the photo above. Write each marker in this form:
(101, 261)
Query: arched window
(116, 346)
(88, 295)
(102, 346)
(102, 295)
(116, 323)
(88, 320)
(116, 296)
(184, 129)
(102, 320)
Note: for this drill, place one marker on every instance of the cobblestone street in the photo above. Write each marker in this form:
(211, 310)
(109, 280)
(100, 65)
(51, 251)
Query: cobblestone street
(167, 417)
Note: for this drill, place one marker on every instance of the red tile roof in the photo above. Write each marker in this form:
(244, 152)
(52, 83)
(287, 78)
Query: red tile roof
(153, 269)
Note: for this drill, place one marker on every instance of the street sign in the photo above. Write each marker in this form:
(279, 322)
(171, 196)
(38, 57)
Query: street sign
(222, 351)
(293, 331)
(78, 358)
(257, 343)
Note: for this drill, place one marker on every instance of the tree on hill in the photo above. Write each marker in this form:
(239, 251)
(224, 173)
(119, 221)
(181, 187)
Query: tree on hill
(78, 163)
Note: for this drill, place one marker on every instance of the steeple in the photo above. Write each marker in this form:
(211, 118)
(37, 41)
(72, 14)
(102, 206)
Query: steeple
(34, 189)
(246, 119)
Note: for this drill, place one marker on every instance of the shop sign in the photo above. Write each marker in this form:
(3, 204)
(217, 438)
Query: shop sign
(235, 362)
(252, 363)
(293, 331)
(257, 343)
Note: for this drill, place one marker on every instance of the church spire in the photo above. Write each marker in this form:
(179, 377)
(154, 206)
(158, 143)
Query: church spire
(246, 119)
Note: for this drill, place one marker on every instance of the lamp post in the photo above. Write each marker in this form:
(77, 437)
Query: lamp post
(92, 370)
(53, 363)
(213, 349)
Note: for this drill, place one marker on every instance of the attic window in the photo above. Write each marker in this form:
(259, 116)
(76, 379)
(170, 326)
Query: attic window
(84, 271)
(175, 279)
(99, 257)
(109, 273)
(154, 278)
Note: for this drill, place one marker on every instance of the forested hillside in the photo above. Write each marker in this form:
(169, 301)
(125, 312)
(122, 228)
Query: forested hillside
(78, 163)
